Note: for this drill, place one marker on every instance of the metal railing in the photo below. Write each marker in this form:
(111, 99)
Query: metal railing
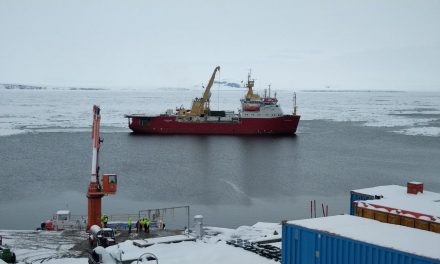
(120, 221)
(158, 214)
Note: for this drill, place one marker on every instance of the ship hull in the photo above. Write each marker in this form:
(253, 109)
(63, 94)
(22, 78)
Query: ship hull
(283, 125)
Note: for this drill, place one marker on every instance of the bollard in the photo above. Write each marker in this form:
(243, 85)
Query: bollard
(198, 225)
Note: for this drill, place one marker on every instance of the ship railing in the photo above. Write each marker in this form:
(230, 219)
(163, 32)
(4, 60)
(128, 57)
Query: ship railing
(172, 216)
(120, 221)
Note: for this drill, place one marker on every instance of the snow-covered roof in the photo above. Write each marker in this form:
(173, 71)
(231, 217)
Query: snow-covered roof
(396, 197)
(380, 190)
(415, 241)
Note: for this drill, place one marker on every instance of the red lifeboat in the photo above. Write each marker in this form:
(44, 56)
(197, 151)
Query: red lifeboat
(251, 107)
(49, 225)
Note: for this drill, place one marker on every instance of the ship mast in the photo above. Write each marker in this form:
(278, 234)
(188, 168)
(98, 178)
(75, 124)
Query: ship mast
(250, 85)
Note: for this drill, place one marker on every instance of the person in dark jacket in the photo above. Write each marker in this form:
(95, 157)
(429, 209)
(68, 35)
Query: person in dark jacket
(138, 226)
(129, 225)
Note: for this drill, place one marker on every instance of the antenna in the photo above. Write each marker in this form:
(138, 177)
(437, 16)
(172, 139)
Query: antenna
(294, 103)
(249, 78)
(218, 91)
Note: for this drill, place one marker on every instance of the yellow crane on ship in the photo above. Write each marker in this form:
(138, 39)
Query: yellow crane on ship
(200, 106)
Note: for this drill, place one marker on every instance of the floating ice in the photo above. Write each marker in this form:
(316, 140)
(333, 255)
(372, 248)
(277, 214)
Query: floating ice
(67, 110)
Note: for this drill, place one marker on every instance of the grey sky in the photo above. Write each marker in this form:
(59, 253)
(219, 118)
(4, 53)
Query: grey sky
(291, 44)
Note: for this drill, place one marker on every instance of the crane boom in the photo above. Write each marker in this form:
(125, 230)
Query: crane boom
(200, 106)
(207, 92)
(96, 142)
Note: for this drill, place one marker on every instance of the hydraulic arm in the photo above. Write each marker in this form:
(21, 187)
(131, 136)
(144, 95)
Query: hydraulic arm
(200, 106)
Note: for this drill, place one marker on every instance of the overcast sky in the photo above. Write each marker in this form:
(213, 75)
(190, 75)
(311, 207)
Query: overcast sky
(309, 44)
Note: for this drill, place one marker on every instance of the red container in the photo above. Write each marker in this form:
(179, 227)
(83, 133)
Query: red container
(414, 187)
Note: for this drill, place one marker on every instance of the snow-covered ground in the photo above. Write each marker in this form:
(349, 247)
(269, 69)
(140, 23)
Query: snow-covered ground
(56, 248)
(32, 246)
(66, 109)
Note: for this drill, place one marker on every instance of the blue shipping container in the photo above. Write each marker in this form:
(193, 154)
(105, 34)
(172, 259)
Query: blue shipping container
(301, 245)
(354, 196)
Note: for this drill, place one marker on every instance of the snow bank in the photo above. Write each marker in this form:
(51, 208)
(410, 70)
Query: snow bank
(198, 252)
(67, 261)
(258, 231)
(43, 246)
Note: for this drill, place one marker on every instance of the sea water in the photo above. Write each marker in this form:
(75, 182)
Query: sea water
(346, 140)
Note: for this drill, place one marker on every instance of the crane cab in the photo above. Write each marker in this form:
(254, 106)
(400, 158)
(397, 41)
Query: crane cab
(109, 183)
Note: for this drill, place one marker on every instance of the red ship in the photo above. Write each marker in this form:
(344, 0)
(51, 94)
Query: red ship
(258, 116)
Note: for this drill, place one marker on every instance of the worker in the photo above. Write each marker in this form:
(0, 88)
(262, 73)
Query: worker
(147, 225)
(144, 224)
(104, 220)
(129, 225)
(138, 225)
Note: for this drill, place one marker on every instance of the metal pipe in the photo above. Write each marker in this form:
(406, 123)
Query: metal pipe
(314, 206)
(188, 219)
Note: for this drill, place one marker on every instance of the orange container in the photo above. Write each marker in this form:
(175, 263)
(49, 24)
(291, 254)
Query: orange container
(359, 211)
(394, 219)
(381, 216)
(367, 213)
(421, 224)
(406, 221)
(434, 227)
